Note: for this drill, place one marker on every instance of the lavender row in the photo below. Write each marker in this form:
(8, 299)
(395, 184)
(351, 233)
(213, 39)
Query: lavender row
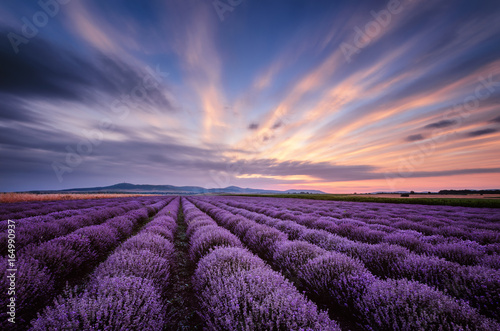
(104, 205)
(20, 210)
(62, 213)
(477, 224)
(435, 216)
(49, 205)
(410, 235)
(53, 216)
(465, 252)
(43, 270)
(326, 276)
(242, 227)
(70, 212)
(128, 291)
(478, 285)
(35, 233)
(390, 215)
(237, 290)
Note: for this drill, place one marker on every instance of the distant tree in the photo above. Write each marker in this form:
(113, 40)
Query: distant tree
(412, 192)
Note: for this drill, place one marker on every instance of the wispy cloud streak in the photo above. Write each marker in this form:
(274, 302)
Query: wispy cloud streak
(267, 92)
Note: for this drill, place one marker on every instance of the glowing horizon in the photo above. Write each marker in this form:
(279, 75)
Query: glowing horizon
(341, 97)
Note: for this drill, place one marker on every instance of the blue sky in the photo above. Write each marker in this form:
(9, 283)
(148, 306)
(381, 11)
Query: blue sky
(345, 96)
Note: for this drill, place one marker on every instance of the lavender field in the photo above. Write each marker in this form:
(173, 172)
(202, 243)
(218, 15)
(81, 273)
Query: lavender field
(244, 263)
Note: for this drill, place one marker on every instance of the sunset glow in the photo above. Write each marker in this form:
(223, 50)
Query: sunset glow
(338, 96)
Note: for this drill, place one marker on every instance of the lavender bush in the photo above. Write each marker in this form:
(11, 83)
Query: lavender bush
(139, 263)
(223, 262)
(34, 286)
(335, 279)
(155, 243)
(102, 237)
(409, 305)
(209, 237)
(63, 256)
(291, 256)
(246, 296)
(115, 303)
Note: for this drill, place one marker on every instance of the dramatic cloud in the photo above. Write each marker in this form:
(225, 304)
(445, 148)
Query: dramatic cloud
(164, 92)
(440, 124)
(13, 110)
(415, 137)
(277, 125)
(49, 71)
(482, 132)
(320, 170)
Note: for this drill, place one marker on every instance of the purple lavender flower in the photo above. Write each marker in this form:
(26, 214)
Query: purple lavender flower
(209, 237)
(254, 298)
(409, 305)
(115, 303)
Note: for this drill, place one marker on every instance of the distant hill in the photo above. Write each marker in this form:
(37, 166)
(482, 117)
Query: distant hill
(170, 189)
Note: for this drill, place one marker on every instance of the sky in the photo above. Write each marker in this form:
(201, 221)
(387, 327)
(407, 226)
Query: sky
(339, 96)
